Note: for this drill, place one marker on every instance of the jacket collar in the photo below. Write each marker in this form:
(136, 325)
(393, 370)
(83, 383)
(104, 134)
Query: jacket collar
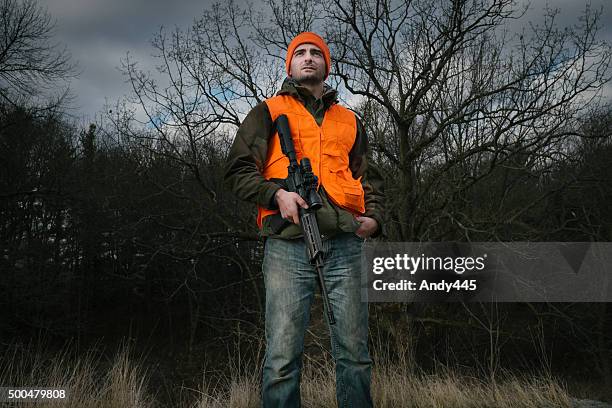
(293, 88)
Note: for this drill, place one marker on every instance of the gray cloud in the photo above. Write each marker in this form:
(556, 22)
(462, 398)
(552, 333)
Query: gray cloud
(100, 32)
(569, 12)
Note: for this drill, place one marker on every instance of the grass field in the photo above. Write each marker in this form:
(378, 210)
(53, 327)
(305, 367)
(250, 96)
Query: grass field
(124, 382)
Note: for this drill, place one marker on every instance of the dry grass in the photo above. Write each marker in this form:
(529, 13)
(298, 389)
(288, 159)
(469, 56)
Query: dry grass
(389, 390)
(122, 384)
(448, 390)
(395, 384)
(241, 392)
(393, 389)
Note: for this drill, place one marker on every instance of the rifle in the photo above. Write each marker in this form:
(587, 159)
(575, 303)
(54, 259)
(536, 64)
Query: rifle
(301, 180)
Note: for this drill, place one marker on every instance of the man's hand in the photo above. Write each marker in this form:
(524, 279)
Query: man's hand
(288, 204)
(368, 226)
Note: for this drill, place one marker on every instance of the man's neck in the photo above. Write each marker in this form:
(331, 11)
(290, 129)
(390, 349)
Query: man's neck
(315, 89)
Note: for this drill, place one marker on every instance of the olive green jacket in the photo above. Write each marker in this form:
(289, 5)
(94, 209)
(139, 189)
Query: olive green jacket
(243, 172)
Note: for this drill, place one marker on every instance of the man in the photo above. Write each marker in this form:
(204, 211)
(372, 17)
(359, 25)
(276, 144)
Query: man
(334, 140)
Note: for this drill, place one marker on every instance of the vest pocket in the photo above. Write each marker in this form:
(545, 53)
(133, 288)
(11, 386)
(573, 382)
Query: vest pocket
(336, 162)
(353, 197)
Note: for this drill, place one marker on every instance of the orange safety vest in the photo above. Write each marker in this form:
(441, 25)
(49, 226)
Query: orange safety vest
(327, 146)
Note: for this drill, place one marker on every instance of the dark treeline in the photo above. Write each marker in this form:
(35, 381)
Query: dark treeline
(104, 240)
(125, 229)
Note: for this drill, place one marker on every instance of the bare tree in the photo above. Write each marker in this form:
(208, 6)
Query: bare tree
(451, 98)
(206, 80)
(463, 96)
(461, 112)
(30, 62)
(205, 83)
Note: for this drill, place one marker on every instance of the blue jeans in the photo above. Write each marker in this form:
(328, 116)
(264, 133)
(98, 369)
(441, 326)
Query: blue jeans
(290, 283)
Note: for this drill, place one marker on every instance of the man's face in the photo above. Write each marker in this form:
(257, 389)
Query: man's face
(308, 64)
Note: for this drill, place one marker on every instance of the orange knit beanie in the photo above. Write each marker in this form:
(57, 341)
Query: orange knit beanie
(310, 38)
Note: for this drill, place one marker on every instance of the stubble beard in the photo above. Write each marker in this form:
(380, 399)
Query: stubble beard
(313, 78)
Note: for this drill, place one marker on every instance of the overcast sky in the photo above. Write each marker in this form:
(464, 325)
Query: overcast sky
(98, 34)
